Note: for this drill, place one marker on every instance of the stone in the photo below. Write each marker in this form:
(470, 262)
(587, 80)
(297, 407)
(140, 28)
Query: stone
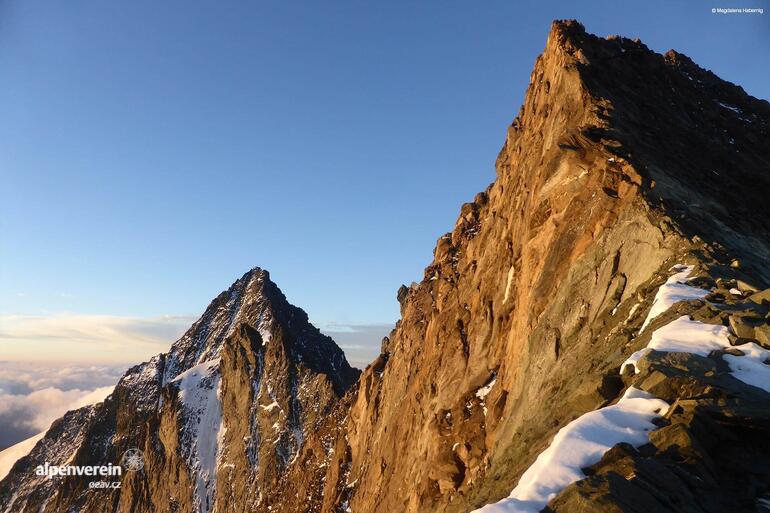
(738, 341)
(762, 297)
(403, 292)
(740, 327)
(745, 287)
(675, 435)
(762, 335)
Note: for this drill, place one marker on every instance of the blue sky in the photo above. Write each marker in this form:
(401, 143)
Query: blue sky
(152, 152)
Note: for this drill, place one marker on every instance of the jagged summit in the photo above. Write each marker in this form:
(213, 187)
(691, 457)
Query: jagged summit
(244, 301)
(695, 143)
(256, 301)
(620, 164)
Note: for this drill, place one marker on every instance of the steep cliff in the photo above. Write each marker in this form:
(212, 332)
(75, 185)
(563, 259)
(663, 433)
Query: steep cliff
(630, 200)
(621, 163)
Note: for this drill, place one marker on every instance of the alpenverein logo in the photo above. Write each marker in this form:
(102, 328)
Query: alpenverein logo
(51, 471)
(132, 460)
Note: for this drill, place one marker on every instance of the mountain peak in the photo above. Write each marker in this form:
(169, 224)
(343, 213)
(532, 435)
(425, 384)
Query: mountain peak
(255, 300)
(567, 32)
(691, 142)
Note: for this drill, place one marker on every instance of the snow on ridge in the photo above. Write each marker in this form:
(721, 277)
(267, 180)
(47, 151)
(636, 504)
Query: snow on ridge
(579, 444)
(203, 341)
(684, 335)
(584, 441)
(674, 290)
(203, 432)
(687, 336)
(10, 455)
(750, 367)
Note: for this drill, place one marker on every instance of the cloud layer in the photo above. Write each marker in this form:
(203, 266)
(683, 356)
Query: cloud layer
(361, 342)
(32, 396)
(87, 338)
(52, 364)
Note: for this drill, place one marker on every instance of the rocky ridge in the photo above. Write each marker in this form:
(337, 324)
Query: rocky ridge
(621, 164)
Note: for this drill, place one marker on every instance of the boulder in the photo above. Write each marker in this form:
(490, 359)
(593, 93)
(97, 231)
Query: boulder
(740, 327)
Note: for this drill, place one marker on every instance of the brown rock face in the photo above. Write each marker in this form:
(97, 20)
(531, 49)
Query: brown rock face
(620, 163)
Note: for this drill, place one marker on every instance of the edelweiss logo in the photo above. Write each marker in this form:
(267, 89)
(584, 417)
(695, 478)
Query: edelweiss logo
(132, 460)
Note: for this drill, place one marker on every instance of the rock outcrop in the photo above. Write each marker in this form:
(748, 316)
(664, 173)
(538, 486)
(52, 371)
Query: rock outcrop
(621, 164)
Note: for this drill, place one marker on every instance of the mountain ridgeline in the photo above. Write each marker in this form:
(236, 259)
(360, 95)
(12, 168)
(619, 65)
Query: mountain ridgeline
(621, 165)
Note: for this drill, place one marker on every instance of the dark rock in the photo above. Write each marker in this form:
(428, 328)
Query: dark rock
(611, 386)
(401, 295)
(738, 341)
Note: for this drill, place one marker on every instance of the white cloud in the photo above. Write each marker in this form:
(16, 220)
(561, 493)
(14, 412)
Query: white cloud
(32, 395)
(87, 338)
(21, 378)
(361, 342)
(52, 364)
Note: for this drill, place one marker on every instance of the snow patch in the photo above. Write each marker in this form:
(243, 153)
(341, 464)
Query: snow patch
(674, 290)
(730, 107)
(200, 394)
(508, 284)
(686, 336)
(579, 444)
(12, 454)
(270, 407)
(482, 392)
(683, 336)
(750, 368)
